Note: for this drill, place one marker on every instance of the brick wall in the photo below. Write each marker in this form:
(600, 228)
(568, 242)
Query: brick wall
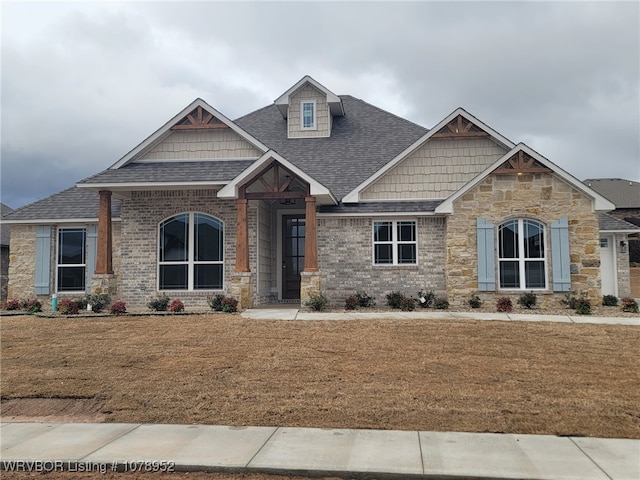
(346, 263)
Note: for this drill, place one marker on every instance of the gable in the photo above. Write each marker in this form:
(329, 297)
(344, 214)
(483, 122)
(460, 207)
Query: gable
(436, 169)
(308, 93)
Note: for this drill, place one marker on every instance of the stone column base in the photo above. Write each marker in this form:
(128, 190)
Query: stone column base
(242, 289)
(104, 283)
(310, 284)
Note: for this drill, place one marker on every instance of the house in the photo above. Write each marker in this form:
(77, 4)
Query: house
(5, 235)
(315, 192)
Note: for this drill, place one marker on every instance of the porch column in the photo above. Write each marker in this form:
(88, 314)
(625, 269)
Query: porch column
(311, 236)
(104, 262)
(242, 236)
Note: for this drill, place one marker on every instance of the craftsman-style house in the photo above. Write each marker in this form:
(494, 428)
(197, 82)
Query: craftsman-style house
(315, 192)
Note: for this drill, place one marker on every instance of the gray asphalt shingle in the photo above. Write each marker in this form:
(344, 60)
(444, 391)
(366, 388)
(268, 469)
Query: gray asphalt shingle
(608, 222)
(623, 193)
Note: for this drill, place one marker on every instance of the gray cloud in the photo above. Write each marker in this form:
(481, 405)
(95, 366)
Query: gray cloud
(83, 83)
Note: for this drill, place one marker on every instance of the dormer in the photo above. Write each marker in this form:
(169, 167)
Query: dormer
(309, 109)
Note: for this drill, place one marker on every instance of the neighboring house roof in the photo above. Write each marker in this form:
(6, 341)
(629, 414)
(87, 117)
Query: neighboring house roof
(623, 193)
(5, 232)
(69, 206)
(609, 223)
(361, 142)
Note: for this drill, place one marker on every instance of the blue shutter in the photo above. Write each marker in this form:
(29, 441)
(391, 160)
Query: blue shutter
(560, 255)
(90, 260)
(43, 259)
(486, 256)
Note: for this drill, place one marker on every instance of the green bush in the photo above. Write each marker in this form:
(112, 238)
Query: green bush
(527, 300)
(394, 299)
(98, 302)
(32, 305)
(629, 305)
(610, 301)
(118, 308)
(440, 303)
(215, 302)
(317, 302)
(229, 305)
(571, 299)
(407, 304)
(475, 301)
(504, 304)
(351, 302)
(583, 306)
(426, 298)
(176, 306)
(159, 304)
(365, 300)
(66, 306)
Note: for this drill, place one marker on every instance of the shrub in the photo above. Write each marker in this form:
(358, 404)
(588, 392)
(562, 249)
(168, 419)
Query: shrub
(365, 300)
(583, 306)
(394, 299)
(14, 304)
(118, 308)
(475, 301)
(215, 302)
(32, 305)
(176, 306)
(504, 304)
(629, 305)
(440, 303)
(426, 298)
(351, 302)
(610, 301)
(66, 306)
(229, 304)
(98, 301)
(317, 302)
(570, 299)
(527, 300)
(159, 304)
(407, 304)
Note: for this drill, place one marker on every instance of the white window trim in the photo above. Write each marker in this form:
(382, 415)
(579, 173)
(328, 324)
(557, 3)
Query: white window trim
(394, 242)
(190, 253)
(314, 126)
(58, 264)
(522, 260)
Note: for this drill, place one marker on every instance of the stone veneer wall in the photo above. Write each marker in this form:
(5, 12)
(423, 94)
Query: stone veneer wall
(141, 217)
(4, 272)
(622, 266)
(542, 197)
(345, 260)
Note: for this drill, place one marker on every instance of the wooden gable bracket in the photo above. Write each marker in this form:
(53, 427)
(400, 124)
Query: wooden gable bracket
(521, 163)
(460, 127)
(199, 119)
(276, 189)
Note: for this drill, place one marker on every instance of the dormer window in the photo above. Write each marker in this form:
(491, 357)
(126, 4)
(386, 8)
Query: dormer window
(308, 110)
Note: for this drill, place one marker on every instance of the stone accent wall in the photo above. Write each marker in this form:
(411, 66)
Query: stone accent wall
(141, 216)
(622, 265)
(542, 197)
(223, 143)
(22, 267)
(436, 170)
(4, 272)
(323, 120)
(345, 260)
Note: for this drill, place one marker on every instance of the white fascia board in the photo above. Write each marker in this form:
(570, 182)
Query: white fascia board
(185, 160)
(335, 103)
(55, 221)
(629, 232)
(317, 189)
(354, 195)
(165, 130)
(599, 203)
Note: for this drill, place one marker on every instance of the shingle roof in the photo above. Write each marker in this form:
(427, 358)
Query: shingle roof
(361, 142)
(171, 172)
(5, 231)
(72, 203)
(623, 193)
(382, 207)
(610, 223)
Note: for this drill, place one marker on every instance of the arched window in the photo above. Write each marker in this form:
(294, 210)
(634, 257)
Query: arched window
(521, 255)
(191, 253)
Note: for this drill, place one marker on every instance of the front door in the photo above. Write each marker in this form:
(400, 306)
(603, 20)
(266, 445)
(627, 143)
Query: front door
(607, 266)
(293, 231)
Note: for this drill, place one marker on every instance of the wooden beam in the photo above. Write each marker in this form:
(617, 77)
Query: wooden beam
(242, 236)
(513, 171)
(274, 195)
(207, 126)
(459, 135)
(104, 257)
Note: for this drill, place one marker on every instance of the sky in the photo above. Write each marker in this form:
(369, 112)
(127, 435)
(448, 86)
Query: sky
(82, 83)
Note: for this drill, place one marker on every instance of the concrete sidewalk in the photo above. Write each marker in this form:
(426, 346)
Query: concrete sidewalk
(289, 313)
(99, 447)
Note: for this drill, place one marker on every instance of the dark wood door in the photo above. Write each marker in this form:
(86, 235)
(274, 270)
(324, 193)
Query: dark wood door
(293, 231)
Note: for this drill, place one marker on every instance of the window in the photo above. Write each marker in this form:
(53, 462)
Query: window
(191, 253)
(394, 243)
(308, 110)
(521, 255)
(71, 259)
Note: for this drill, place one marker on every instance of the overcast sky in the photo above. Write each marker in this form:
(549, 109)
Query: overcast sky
(83, 83)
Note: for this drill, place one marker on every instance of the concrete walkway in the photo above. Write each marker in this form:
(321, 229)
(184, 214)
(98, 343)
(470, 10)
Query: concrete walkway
(100, 447)
(288, 313)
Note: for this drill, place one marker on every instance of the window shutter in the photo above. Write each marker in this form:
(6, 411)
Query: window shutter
(560, 255)
(43, 259)
(486, 256)
(92, 236)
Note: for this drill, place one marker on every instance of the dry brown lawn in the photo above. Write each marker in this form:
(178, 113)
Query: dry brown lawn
(443, 375)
